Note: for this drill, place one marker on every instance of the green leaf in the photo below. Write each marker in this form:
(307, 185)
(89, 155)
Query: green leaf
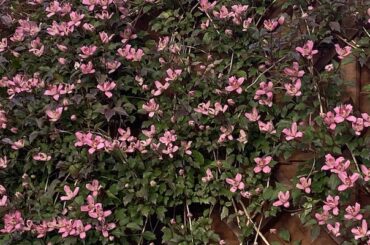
(149, 236)
(315, 232)
(285, 235)
(224, 212)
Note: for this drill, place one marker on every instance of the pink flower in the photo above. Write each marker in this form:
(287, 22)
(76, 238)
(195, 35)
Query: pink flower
(53, 8)
(87, 51)
(342, 52)
(75, 19)
(235, 183)
(235, 84)
(294, 89)
(329, 120)
(270, 25)
(112, 66)
(41, 157)
(329, 67)
(222, 14)
(266, 127)
(322, 217)
(353, 212)
(262, 164)
(87, 68)
(264, 94)
(105, 15)
(172, 74)
(54, 115)
(89, 27)
(90, 207)
(358, 126)
(208, 177)
(347, 181)
(94, 187)
(3, 201)
(90, 3)
(342, 113)
(292, 133)
(252, 116)
(332, 203)
(160, 88)
(104, 37)
(294, 72)
(205, 5)
(3, 162)
(13, 222)
(366, 118)
(152, 107)
(304, 184)
(360, 232)
(307, 50)
(99, 213)
(105, 227)
(226, 134)
(3, 44)
(69, 193)
(3, 119)
(130, 53)
(19, 144)
(163, 43)
(283, 199)
(243, 137)
(106, 87)
(365, 172)
(80, 229)
(36, 47)
(247, 23)
(334, 229)
(168, 137)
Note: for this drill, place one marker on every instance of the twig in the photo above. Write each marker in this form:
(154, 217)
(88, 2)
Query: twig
(264, 72)
(236, 212)
(354, 159)
(259, 228)
(143, 230)
(254, 225)
(214, 25)
(231, 63)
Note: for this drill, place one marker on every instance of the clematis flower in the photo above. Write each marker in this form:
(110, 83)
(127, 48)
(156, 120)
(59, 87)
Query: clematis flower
(342, 52)
(332, 203)
(206, 6)
(235, 84)
(75, 18)
(90, 207)
(87, 51)
(3, 201)
(130, 53)
(347, 181)
(208, 177)
(3, 44)
(54, 115)
(90, 3)
(322, 218)
(99, 213)
(294, 89)
(3, 162)
(19, 144)
(104, 37)
(226, 134)
(53, 8)
(106, 87)
(79, 229)
(304, 184)
(163, 43)
(222, 14)
(243, 137)
(365, 172)
(94, 187)
(37, 48)
(360, 231)
(266, 127)
(69, 193)
(105, 227)
(262, 164)
(307, 50)
(292, 133)
(353, 212)
(358, 126)
(283, 199)
(160, 88)
(87, 68)
(334, 229)
(366, 118)
(343, 112)
(252, 116)
(152, 107)
(41, 157)
(13, 222)
(235, 183)
(294, 72)
(264, 94)
(247, 23)
(172, 74)
(329, 120)
(270, 25)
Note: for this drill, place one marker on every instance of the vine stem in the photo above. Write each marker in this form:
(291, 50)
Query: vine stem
(254, 225)
(236, 211)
